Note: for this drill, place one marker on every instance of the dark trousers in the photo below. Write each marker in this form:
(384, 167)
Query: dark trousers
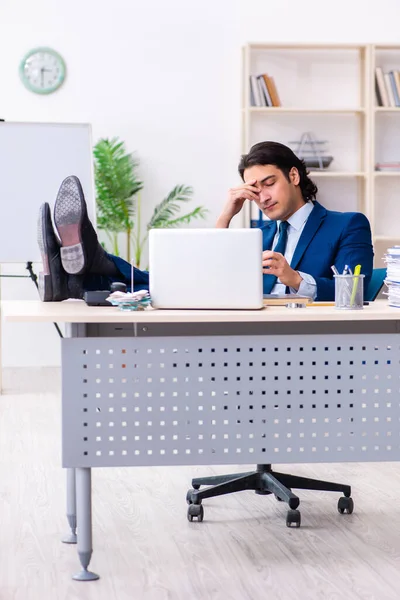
(93, 281)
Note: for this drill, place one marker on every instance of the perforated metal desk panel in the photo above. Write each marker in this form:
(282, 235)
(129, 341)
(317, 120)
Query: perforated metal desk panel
(230, 399)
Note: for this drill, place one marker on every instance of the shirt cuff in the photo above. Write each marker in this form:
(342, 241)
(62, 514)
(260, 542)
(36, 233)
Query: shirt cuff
(308, 286)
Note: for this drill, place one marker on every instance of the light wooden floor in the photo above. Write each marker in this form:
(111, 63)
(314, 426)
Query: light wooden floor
(144, 547)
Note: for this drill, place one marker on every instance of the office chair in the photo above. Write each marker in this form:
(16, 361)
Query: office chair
(375, 284)
(266, 481)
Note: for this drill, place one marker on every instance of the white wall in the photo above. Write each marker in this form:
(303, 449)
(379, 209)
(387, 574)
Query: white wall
(165, 77)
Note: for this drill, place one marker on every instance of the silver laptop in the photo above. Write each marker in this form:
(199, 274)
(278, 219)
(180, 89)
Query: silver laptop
(206, 268)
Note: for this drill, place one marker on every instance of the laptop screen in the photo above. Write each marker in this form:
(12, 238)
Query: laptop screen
(206, 268)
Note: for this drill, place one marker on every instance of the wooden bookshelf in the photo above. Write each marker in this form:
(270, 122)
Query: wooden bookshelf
(385, 134)
(329, 89)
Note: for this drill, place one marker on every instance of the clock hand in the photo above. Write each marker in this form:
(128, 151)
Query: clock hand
(42, 76)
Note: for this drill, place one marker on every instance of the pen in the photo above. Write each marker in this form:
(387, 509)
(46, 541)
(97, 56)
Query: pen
(334, 269)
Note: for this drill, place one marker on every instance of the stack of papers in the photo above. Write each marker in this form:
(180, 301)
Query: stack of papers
(392, 281)
(139, 300)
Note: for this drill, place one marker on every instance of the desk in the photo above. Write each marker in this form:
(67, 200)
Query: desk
(220, 387)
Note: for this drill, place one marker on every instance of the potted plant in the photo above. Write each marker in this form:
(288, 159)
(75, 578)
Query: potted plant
(118, 200)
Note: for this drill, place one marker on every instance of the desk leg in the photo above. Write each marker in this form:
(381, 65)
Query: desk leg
(1, 353)
(71, 507)
(84, 514)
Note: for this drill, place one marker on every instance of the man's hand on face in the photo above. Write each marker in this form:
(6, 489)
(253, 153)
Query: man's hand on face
(274, 263)
(236, 198)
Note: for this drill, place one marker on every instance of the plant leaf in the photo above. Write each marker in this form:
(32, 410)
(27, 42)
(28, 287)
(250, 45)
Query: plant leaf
(169, 207)
(198, 213)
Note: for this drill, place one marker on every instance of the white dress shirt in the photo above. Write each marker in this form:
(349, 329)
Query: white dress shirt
(297, 221)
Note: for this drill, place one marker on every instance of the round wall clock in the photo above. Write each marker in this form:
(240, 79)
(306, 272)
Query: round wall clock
(42, 70)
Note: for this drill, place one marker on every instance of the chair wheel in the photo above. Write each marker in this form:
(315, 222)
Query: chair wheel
(195, 510)
(189, 496)
(293, 517)
(345, 505)
(196, 487)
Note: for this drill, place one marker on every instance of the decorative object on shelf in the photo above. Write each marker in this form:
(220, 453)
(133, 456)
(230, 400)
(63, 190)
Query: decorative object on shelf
(312, 151)
(42, 70)
(118, 200)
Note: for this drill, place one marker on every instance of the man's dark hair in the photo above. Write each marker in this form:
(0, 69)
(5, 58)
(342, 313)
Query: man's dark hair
(273, 153)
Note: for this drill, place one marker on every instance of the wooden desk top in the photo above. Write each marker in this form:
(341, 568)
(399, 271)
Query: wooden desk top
(76, 311)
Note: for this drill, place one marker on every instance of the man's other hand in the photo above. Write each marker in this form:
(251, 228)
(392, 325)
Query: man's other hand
(274, 263)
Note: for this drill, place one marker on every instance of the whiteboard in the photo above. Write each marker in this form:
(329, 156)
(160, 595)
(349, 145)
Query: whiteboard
(34, 160)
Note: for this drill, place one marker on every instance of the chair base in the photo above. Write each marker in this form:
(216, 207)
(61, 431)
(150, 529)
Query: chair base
(264, 481)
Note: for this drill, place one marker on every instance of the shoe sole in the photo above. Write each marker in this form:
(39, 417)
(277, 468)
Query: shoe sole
(44, 284)
(68, 214)
(45, 287)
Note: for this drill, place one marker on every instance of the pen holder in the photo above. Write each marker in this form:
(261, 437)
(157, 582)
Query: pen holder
(349, 292)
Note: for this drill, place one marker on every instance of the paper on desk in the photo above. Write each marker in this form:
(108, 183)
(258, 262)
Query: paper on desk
(392, 281)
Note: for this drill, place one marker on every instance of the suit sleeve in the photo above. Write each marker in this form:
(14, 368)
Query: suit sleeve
(354, 248)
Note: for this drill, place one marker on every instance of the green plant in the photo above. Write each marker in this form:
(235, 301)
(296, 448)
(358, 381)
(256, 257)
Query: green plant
(119, 202)
(116, 187)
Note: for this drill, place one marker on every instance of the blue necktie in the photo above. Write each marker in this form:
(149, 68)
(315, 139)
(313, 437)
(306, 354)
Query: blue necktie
(270, 280)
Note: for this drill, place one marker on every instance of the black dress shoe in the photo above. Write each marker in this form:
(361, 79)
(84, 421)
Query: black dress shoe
(54, 283)
(80, 248)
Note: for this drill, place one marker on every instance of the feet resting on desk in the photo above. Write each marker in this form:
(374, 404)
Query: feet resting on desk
(73, 259)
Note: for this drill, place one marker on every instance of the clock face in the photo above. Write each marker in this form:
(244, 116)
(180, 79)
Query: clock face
(42, 70)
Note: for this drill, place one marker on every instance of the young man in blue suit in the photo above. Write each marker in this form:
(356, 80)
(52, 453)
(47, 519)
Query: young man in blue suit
(301, 241)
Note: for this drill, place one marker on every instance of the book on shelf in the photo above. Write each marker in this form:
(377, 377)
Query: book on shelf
(263, 91)
(387, 88)
(273, 91)
(395, 90)
(387, 166)
(255, 92)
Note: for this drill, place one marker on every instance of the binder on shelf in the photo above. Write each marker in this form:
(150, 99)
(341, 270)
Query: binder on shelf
(257, 217)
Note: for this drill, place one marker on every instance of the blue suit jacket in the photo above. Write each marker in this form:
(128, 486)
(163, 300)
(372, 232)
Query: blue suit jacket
(329, 238)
